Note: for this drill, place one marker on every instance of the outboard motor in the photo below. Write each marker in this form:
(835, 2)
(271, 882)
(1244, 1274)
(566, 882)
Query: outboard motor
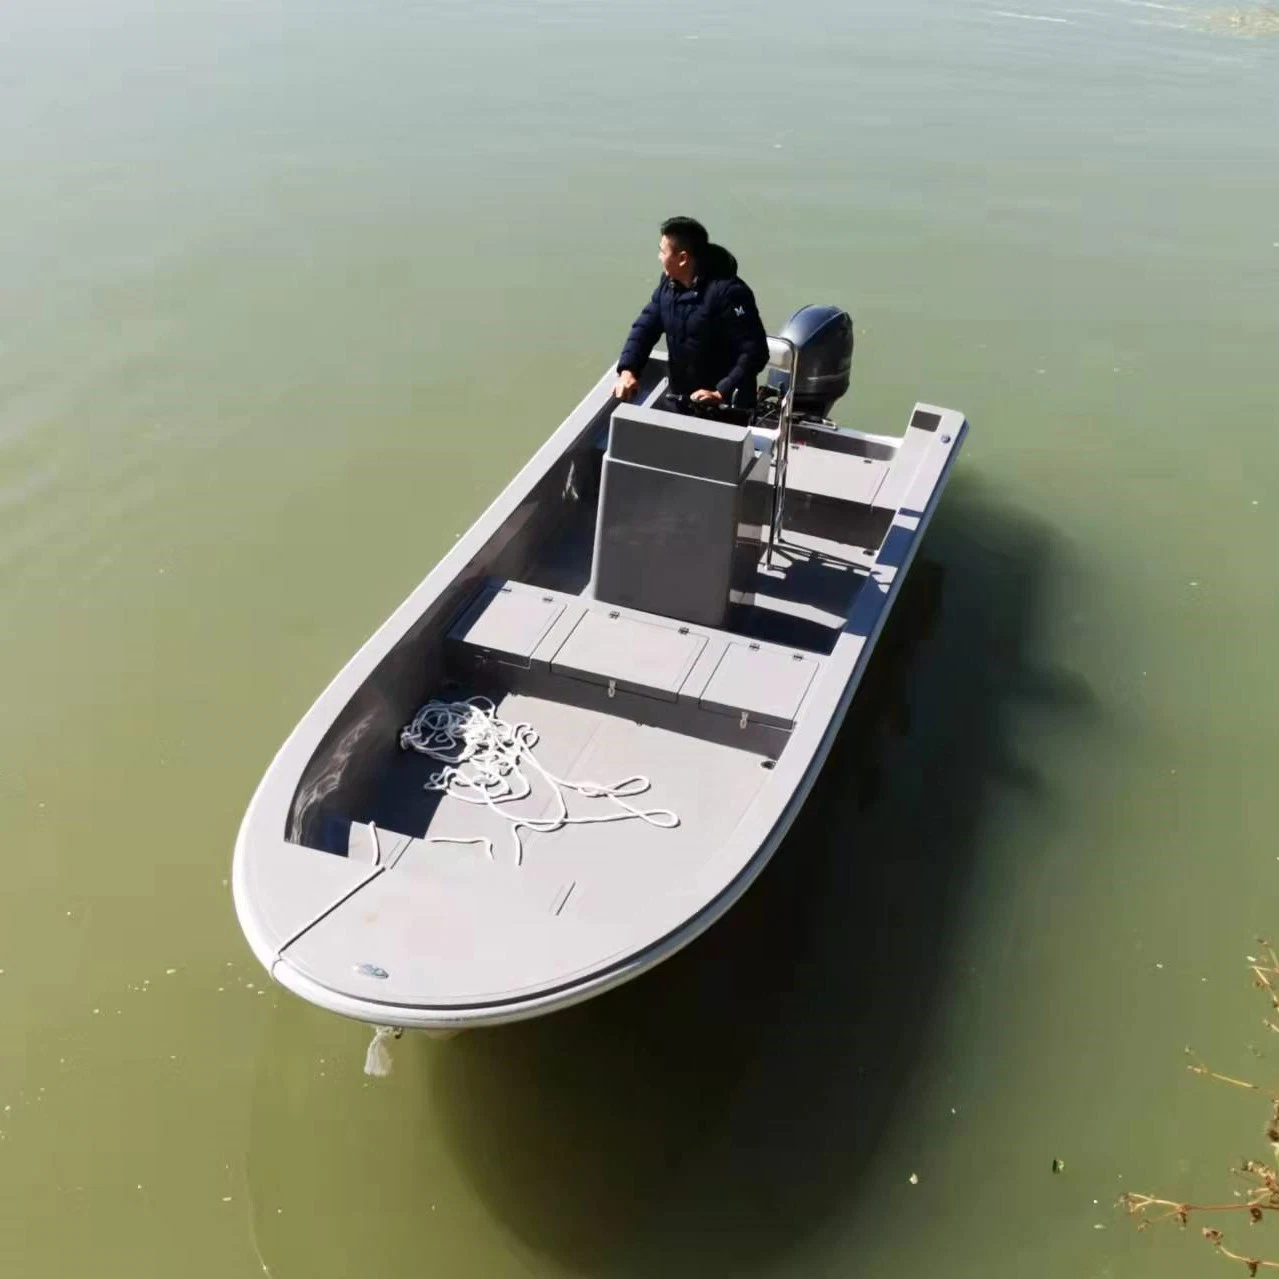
(823, 337)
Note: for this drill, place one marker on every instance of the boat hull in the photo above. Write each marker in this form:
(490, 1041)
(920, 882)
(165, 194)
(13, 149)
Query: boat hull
(285, 902)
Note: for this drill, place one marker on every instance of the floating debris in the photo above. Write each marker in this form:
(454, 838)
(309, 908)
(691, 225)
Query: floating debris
(1252, 22)
(1059, 1165)
(914, 1178)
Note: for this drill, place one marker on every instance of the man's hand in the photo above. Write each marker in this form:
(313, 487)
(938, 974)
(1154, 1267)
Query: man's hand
(706, 397)
(625, 386)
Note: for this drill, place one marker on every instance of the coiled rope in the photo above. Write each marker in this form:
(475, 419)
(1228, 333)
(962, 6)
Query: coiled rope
(485, 761)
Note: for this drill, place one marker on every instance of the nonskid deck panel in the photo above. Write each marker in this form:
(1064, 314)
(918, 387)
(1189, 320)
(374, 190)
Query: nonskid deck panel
(450, 927)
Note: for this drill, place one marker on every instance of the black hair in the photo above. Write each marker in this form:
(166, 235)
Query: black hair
(687, 234)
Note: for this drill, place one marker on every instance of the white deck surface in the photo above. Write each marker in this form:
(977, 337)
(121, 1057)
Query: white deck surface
(450, 926)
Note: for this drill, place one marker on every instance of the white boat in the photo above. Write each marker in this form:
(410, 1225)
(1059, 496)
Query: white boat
(644, 649)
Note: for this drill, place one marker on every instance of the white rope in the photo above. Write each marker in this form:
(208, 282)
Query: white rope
(485, 759)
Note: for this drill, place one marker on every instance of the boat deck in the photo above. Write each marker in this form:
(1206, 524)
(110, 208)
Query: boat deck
(675, 715)
(572, 888)
(644, 696)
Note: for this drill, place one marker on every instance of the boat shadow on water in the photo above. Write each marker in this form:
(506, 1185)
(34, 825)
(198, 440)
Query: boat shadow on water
(712, 1115)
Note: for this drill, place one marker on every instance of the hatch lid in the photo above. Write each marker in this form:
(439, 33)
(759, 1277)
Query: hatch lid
(648, 656)
(764, 682)
(507, 621)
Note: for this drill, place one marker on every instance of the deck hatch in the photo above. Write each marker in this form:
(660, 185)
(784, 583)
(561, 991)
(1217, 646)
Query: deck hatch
(507, 622)
(766, 684)
(647, 656)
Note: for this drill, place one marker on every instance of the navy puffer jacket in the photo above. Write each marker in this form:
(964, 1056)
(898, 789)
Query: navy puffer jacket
(714, 336)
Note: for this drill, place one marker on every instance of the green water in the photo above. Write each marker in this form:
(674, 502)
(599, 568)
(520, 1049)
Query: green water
(287, 293)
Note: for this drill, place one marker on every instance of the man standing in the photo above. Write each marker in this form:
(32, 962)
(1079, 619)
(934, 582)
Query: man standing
(714, 336)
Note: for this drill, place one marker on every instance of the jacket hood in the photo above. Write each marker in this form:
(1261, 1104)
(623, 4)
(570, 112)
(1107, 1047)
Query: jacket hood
(717, 263)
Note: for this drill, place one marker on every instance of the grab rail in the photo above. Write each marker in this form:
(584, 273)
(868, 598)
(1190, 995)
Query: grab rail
(782, 354)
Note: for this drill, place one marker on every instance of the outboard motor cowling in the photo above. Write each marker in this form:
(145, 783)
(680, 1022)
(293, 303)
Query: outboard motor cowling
(823, 337)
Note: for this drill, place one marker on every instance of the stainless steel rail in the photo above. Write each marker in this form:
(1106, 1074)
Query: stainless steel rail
(781, 355)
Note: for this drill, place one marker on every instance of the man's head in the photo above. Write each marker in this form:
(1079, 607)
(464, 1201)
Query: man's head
(683, 240)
